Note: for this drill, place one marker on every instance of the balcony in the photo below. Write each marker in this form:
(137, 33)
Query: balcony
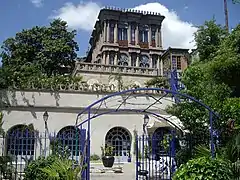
(108, 69)
(123, 43)
(144, 45)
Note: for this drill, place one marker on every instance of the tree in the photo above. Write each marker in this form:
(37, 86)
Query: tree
(208, 37)
(47, 50)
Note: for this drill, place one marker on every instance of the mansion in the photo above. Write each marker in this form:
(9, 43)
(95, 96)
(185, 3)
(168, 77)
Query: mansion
(124, 42)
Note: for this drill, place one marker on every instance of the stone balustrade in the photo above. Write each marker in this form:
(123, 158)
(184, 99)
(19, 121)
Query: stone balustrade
(102, 68)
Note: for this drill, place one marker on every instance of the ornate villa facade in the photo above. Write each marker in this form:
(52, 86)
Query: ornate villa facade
(125, 42)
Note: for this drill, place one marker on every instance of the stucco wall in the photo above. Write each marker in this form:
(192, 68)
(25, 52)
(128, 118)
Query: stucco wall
(25, 107)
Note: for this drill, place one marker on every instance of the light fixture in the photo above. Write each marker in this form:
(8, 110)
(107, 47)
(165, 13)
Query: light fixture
(45, 116)
(146, 119)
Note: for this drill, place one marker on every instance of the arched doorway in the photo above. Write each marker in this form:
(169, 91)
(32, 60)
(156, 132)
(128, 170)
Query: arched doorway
(120, 139)
(157, 140)
(20, 142)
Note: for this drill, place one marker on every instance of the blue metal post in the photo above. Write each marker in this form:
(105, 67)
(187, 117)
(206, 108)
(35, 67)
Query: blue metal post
(45, 140)
(137, 163)
(211, 133)
(88, 146)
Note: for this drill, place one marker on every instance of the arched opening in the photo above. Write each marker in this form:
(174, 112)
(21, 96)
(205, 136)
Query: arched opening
(70, 137)
(120, 139)
(20, 141)
(157, 140)
(123, 60)
(144, 61)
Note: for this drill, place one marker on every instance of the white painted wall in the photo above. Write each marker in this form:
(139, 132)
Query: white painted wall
(27, 107)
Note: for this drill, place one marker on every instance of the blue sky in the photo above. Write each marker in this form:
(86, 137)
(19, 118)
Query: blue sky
(181, 16)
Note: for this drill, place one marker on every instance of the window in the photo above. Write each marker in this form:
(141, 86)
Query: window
(122, 32)
(174, 63)
(144, 61)
(179, 64)
(143, 34)
(111, 36)
(133, 28)
(120, 139)
(71, 138)
(153, 38)
(20, 141)
(123, 60)
(153, 34)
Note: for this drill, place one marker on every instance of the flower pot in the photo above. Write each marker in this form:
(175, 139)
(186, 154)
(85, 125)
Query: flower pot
(108, 161)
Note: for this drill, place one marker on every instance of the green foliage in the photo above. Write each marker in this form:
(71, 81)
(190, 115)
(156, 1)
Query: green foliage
(208, 38)
(61, 169)
(33, 170)
(204, 168)
(94, 157)
(48, 50)
(107, 150)
(159, 82)
(6, 167)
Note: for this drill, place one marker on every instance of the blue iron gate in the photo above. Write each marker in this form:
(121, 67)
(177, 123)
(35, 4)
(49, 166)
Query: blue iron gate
(155, 157)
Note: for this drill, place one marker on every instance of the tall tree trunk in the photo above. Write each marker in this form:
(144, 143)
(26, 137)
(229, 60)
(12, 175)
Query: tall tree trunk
(226, 15)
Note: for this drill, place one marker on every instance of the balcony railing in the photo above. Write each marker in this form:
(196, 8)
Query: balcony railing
(123, 43)
(102, 68)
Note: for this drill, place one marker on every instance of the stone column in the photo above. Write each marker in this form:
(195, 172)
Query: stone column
(116, 59)
(137, 60)
(150, 61)
(136, 34)
(116, 33)
(107, 57)
(129, 33)
(130, 60)
(108, 31)
(105, 31)
(160, 36)
(161, 66)
(104, 58)
(156, 38)
(149, 36)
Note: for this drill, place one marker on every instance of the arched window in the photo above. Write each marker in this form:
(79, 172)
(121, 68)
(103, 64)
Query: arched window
(144, 61)
(20, 141)
(157, 141)
(111, 58)
(120, 139)
(123, 60)
(70, 137)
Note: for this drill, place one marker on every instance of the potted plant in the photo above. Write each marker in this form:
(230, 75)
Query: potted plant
(107, 156)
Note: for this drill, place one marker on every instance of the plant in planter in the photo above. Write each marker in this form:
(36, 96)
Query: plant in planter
(107, 156)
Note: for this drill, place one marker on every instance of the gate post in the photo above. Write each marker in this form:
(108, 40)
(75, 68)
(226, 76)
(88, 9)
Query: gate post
(137, 163)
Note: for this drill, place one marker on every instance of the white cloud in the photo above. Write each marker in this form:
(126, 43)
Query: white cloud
(176, 33)
(82, 16)
(37, 3)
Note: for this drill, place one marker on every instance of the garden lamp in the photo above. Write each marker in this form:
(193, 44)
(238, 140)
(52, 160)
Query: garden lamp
(45, 116)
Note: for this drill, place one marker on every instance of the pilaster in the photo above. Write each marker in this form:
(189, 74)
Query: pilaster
(116, 59)
(150, 36)
(105, 31)
(129, 33)
(160, 36)
(116, 33)
(108, 31)
(136, 34)
(107, 58)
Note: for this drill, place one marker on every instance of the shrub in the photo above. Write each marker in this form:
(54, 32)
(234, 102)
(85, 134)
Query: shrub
(94, 157)
(204, 168)
(33, 170)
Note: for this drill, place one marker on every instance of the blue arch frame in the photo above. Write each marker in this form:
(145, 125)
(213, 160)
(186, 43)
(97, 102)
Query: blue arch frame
(167, 91)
